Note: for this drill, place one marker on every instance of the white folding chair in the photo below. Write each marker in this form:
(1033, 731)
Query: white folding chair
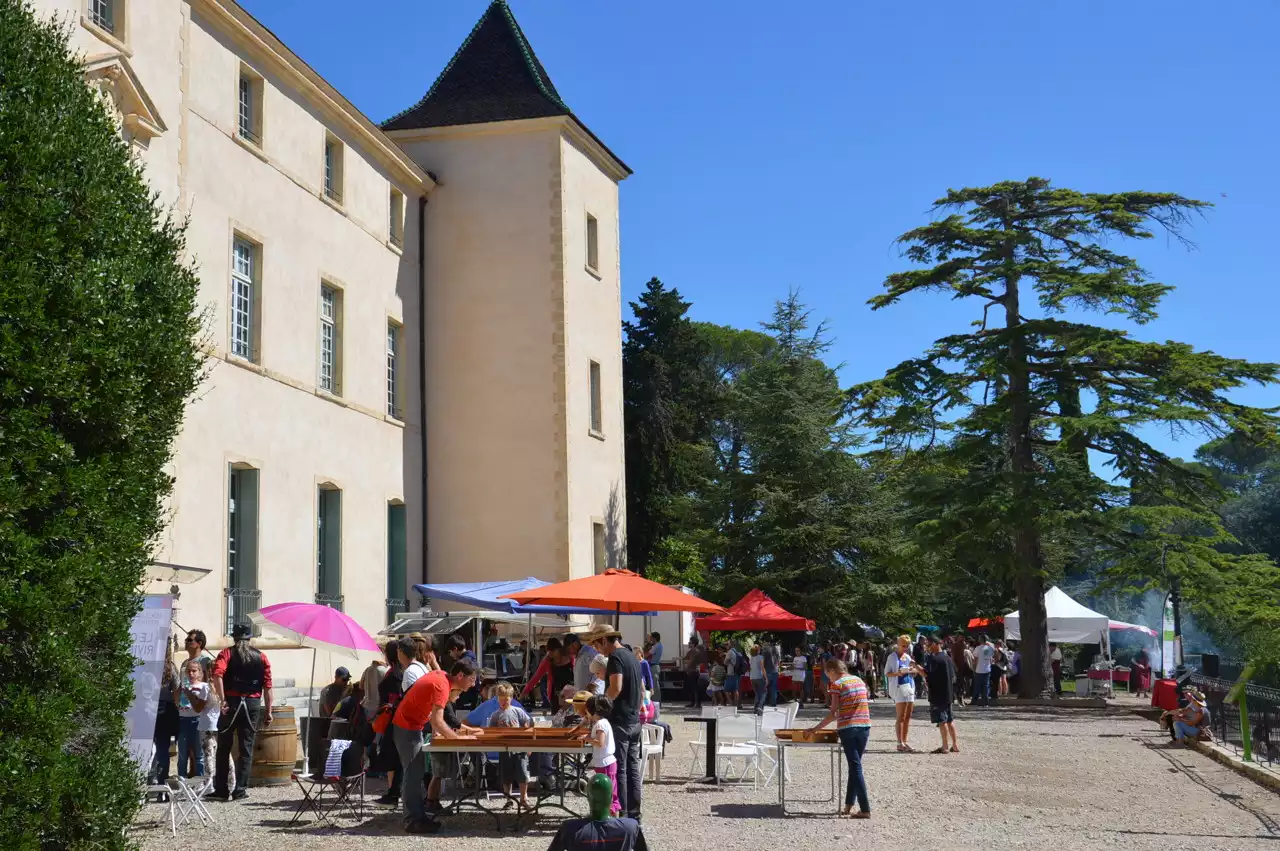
(651, 750)
(698, 745)
(766, 741)
(170, 794)
(733, 735)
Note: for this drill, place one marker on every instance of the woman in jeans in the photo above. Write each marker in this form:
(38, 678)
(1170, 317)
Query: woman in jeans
(852, 714)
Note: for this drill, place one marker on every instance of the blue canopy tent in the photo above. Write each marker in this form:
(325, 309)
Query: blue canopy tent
(484, 595)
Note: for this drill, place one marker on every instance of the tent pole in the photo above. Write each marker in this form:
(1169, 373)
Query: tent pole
(528, 648)
(310, 718)
(617, 616)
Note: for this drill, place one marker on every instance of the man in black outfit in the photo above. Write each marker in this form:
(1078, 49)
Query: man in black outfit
(939, 675)
(242, 684)
(623, 687)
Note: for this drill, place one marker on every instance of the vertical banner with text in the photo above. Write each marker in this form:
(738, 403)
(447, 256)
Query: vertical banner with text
(1166, 632)
(149, 638)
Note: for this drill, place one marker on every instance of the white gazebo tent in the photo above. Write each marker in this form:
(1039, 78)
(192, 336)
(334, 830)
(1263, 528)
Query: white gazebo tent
(1069, 622)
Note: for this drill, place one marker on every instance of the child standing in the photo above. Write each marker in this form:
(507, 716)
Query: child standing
(197, 698)
(601, 738)
(512, 767)
(190, 755)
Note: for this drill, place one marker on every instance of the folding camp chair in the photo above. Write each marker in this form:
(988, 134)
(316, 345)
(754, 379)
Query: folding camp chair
(335, 794)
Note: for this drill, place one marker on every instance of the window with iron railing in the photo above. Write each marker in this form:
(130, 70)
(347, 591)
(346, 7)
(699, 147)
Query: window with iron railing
(242, 602)
(103, 14)
(333, 601)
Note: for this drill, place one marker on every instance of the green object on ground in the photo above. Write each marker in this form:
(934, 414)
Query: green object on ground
(1246, 735)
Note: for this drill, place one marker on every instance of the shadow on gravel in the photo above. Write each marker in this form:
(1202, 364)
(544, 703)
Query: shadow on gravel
(1194, 835)
(738, 811)
(1268, 823)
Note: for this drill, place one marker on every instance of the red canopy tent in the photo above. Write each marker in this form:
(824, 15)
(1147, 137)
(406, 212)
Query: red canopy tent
(977, 623)
(755, 611)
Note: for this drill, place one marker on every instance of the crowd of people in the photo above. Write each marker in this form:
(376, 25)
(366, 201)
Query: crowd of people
(592, 682)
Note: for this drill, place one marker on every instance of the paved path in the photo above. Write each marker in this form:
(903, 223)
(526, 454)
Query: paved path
(1028, 778)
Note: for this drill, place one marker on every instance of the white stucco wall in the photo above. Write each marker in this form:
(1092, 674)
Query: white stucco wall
(593, 323)
(495, 485)
(270, 415)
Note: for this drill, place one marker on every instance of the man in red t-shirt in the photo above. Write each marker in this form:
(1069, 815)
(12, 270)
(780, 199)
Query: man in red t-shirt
(423, 704)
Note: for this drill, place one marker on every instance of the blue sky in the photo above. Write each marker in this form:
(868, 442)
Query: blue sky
(779, 145)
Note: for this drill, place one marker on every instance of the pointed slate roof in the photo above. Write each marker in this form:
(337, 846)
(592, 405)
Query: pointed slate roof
(494, 76)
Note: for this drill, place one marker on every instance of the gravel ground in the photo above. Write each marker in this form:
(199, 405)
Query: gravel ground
(1028, 778)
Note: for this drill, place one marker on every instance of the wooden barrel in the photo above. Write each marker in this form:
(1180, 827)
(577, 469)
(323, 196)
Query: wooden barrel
(275, 752)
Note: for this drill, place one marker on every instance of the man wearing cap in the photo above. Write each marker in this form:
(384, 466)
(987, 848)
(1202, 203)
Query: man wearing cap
(331, 694)
(242, 683)
(624, 689)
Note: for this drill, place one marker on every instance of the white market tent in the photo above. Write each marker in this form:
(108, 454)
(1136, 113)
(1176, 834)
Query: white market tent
(1069, 622)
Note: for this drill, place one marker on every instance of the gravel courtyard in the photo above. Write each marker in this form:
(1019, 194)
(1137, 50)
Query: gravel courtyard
(1028, 778)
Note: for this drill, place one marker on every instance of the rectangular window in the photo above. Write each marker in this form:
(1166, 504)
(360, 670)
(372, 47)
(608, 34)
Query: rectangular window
(242, 594)
(329, 547)
(103, 13)
(397, 547)
(396, 228)
(593, 243)
(249, 107)
(332, 169)
(599, 547)
(597, 410)
(244, 281)
(393, 371)
(330, 339)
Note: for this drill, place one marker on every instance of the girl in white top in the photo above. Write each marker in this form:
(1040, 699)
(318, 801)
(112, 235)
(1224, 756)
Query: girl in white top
(799, 668)
(602, 745)
(898, 670)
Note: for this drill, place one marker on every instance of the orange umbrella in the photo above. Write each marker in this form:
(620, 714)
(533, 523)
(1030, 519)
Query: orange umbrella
(621, 590)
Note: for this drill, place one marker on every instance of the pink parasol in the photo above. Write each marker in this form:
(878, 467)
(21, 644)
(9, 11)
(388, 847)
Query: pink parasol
(317, 626)
(320, 628)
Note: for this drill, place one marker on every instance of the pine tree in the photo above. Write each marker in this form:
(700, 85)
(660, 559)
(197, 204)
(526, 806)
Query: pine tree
(97, 359)
(1045, 390)
(666, 387)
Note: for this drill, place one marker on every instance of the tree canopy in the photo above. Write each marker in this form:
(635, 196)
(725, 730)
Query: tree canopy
(1009, 454)
(98, 356)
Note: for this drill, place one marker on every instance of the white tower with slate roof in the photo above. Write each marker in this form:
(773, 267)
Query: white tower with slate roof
(522, 319)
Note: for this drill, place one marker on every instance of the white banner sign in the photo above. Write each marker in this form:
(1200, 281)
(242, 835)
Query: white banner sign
(148, 637)
(1168, 654)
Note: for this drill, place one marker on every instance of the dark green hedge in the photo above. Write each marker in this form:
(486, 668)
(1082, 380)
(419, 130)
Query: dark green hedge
(98, 356)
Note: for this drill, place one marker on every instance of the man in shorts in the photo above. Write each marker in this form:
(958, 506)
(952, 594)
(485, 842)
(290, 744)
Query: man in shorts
(939, 675)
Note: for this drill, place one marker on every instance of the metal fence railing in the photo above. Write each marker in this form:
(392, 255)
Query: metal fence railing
(333, 601)
(396, 606)
(242, 602)
(1263, 706)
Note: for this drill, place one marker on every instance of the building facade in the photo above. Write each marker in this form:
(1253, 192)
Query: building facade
(414, 329)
